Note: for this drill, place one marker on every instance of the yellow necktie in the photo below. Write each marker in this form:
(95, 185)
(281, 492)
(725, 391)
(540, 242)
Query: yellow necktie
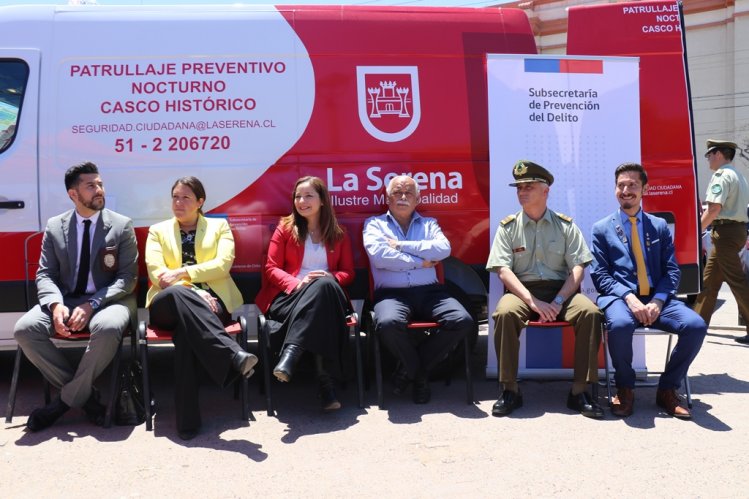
(642, 273)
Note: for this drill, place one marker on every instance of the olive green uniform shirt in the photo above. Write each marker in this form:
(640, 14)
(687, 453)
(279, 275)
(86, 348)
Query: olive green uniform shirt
(729, 189)
(546, 250)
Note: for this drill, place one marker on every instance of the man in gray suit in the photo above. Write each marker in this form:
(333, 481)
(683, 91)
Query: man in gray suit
(97, 295)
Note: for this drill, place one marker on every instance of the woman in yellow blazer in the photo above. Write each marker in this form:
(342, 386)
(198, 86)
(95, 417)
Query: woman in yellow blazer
(188, 259)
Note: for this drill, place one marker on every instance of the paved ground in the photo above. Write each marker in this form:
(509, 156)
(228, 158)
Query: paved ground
(443, 449)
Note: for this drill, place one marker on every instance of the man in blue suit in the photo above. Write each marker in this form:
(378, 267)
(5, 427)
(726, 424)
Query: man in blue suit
(636, 274)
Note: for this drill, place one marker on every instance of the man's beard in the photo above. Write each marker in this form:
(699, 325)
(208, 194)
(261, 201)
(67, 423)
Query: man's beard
(628, 204)
(96, 204)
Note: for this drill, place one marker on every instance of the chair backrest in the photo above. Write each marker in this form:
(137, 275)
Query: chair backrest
(31, 253)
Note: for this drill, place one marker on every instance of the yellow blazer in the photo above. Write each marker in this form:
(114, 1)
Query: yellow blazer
(214, 252)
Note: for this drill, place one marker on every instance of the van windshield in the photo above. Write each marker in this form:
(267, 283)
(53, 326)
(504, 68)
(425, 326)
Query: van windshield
(14, 75)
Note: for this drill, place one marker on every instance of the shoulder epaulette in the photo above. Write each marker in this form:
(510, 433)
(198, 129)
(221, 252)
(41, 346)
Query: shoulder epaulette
(507, 219)
(564, 217)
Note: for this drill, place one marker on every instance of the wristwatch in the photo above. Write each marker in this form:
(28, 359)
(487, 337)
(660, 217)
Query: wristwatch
(94, 304)
(559, 300)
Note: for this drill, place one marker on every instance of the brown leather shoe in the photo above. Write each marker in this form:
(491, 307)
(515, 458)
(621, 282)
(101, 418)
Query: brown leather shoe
(623, 403)
(670, 401)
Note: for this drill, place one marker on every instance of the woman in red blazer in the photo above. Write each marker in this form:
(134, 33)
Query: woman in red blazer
(309, 262)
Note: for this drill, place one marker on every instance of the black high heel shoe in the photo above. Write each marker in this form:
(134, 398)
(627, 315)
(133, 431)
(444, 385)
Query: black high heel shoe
(285, 367)
(325, 387)
(326, 392)
(243, 362)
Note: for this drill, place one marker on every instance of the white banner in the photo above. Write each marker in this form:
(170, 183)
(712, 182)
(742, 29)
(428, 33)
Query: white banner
(577, 116)
(214, 95)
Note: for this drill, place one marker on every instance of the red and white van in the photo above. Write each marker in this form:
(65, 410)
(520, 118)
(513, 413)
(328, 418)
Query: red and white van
(249, 98)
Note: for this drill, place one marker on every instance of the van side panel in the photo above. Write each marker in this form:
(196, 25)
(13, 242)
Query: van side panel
(447, 152)
(652, 31)
(248, 98)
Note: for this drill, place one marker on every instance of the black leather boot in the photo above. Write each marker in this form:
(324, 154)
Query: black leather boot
(326, 387)
(285, 367)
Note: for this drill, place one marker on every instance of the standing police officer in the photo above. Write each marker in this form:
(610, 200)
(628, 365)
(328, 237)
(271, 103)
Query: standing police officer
(727, 199)
(540, 257)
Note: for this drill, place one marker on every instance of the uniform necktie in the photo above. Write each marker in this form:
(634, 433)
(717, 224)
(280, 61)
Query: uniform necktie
(642, 273)
(85, 263)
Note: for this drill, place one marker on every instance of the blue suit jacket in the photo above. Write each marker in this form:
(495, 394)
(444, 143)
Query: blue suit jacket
(613, 268)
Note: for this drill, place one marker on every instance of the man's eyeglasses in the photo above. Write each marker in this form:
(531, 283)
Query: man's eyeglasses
(400, 194)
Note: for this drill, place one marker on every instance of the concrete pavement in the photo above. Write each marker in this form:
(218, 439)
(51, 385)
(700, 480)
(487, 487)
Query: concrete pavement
(443, 449)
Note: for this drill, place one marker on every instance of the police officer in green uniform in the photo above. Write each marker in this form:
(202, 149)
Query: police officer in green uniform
(727, 199)
(540, 257)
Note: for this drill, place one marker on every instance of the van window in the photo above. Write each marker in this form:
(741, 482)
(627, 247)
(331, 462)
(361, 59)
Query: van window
(14, 75)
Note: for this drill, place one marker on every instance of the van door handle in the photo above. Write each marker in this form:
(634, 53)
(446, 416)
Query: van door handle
(12, 205)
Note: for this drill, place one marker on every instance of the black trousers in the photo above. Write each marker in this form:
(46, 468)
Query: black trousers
(201, 344)
(395, 307)
(313, 318)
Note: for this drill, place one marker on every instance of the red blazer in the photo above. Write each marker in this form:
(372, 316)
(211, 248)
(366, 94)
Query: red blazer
(285, 261)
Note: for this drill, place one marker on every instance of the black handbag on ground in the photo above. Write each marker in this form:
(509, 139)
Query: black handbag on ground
(130, 409)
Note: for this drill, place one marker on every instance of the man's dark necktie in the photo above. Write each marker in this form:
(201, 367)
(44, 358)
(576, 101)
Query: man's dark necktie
(85, 262)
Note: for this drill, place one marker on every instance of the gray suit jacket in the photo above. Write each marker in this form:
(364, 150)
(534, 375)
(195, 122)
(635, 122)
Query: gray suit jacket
(114, 259)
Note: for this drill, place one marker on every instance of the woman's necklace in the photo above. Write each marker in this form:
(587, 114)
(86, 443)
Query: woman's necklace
(312, 234)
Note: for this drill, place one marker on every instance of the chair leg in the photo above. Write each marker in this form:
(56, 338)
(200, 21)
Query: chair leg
(237, 389)
(368, 354)
(260, 372)
(450, 363)
(668, 350)
(247, 414)
(13, 386)
(378, 373)
(604, 336)
(264, 342)
(688, 388)
(469, 377)
(143, 346)
(237, 385)
(359, 368)
(114, 382)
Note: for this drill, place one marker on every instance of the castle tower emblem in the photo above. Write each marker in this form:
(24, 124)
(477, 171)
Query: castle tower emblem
(389, 105)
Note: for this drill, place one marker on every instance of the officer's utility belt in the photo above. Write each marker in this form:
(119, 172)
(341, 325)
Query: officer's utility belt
(725, 221)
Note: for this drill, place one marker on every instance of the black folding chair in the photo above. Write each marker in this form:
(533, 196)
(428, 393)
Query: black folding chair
(267, 358)
(148, 334)
(412, 326)
(75, 339)
(645, 331)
